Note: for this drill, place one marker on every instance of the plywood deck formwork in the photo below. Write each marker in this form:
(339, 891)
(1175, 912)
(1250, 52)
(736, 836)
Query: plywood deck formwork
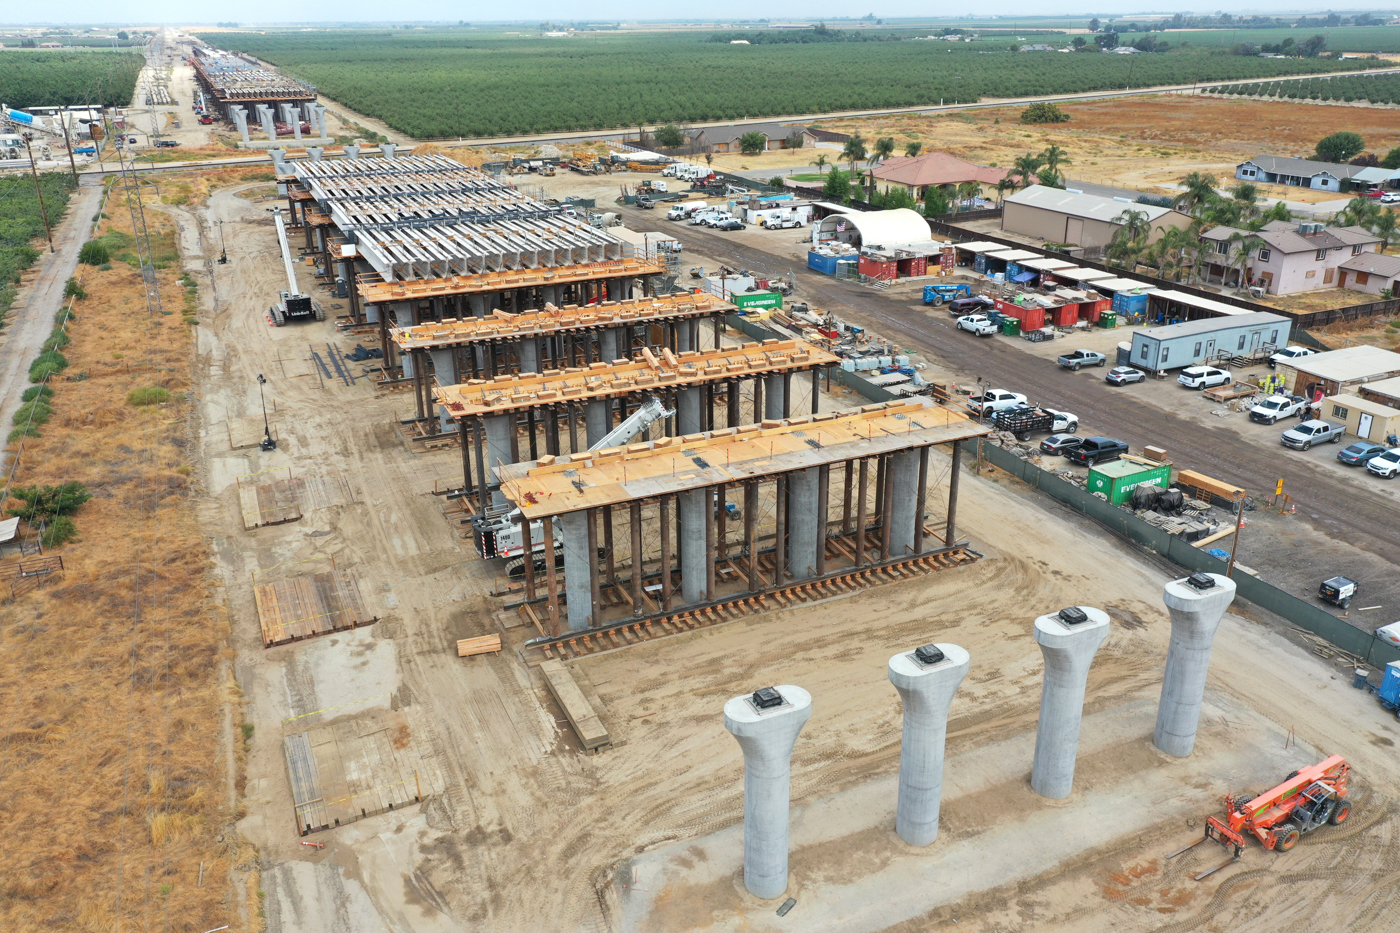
(375, 289)
(354, 768)
(302, 607)
(269, 503)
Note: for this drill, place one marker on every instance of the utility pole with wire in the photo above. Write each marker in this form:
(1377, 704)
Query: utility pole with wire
(68, 143)
(38, 190)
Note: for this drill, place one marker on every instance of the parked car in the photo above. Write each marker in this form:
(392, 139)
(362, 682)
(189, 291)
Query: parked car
(1390, 634)
(1386, 464)
(1288, 354)
(978, 324)
(1390, 197)
(1096, 450)
(994, 400)
(732, 223)
(1123, 375)
(1277, 406)
(960, 306)
(1361, 453)
(1313, 432)
(717, 218)
(1081, 358)
(1203, 377)
(1060, 445)
(645, 203)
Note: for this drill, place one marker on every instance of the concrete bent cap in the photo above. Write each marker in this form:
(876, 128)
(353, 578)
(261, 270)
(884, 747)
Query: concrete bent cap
(1178, 595)
(742, 719)
(1050, 631)
(906, 672)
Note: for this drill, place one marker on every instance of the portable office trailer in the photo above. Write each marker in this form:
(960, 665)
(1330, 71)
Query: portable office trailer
(1190, 342)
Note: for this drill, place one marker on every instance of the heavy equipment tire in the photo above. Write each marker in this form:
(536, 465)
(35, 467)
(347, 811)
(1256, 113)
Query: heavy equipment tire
(1291, 775)
(1285, 839)
(1340, 813)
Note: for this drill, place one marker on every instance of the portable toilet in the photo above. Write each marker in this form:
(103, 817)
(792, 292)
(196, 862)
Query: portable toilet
(1389, 691)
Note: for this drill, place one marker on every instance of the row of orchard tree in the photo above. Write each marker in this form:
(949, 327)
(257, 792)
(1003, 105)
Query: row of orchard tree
(67, 79)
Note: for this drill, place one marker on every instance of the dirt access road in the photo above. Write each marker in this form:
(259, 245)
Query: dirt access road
(1350, 532)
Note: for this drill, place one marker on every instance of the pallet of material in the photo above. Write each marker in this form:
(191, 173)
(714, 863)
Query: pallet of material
(1208, 485)
(302, 607)
(587, 726)
(1231, 392)
(485, 644)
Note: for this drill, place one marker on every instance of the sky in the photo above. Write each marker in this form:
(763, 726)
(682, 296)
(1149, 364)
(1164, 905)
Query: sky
(175, 12)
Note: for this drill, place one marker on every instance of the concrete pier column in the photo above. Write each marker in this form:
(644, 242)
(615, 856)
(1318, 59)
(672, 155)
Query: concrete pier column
(318, 121)
(690, 516)
(683, 337)
(240, 120)
(266, 118)
(315, 152)
(803, 523)
(766, 736)
(445, 423)
(291, 115)
(904, 500)
(279, 161)
(578, 569)
(500, 448)
(443, 367)
(688, 411)
(529, 355)
(926, 679)
(408, 365)
(351, 152)
(596, 420)
(1196, 605)
(1069, 647)
(773, 397)
(478, 305)
(388, 150)
(608, 343)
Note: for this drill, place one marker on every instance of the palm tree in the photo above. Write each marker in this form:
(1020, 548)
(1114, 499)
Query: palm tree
(1242, 246)
(854, 150)
(820, 163)
(1383, 226)
(912, 149)
(1054, 157)
(1130, 238)
(1359, 212)
(1025, 167)
(1177, 251)
(1200, 191)
(884, 148)
(966, 191)
(1006, 184)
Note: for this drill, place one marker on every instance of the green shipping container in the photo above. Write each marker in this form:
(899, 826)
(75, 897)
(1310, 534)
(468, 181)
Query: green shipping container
(761, 301)
(1118, 479)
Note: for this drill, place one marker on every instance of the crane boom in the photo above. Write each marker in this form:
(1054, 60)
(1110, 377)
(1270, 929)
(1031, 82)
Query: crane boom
(286, 253)
(651, 412)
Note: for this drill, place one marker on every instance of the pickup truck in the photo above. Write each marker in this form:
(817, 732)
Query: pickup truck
(1096, 450)
(1081, 358)
(1275, 407)
(166, 143)
(994, 400)
(1023, 422)
(978, 324)
(1312, 432)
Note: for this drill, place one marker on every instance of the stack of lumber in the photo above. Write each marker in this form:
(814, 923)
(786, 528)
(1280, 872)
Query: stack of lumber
(484, 644)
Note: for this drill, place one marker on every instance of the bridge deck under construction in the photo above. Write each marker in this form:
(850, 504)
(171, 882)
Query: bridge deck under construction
(374, 289)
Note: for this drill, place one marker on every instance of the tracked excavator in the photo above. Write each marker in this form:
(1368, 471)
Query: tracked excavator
(291, 305)
(499, 535)
(1304, 801)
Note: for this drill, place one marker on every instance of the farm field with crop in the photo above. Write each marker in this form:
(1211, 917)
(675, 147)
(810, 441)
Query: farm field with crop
(22, 225)
(1377, 39)
(1378, 89)
(443, 84)
(60, 79)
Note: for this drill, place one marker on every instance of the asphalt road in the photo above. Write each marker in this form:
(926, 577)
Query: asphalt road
(1337, 529)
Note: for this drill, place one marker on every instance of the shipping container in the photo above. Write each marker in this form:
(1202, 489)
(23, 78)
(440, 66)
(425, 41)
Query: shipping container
(824, 264)
(1126, 304)
(1065, 315)
(911, 267)
(756, 301)
(877, 269)
(1093, 310)
(979, 263)
(1118, 479)
(1030, 318)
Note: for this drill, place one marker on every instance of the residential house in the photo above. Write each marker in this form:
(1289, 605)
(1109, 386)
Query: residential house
(1370, 272)
(1305, 173)
(1294, 257)
(726, 138)
(917, 174)
(1072, 217)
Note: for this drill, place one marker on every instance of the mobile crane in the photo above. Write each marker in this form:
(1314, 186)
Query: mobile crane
(1304, 801)
(499, 535)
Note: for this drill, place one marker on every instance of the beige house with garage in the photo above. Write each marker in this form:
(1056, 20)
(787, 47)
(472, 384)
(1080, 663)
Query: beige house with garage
(1370, 421)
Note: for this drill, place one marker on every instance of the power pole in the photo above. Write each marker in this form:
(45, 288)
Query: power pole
(68, 143)
(43, 212)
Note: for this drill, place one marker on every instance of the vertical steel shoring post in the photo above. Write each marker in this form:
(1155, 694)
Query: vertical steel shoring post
(551, 430)
(635, 508)
(758, 400)
(483, 478)
(721, 499)
(534, 441)
(846, 498)
(816, 398)
(573, 427)
(780, 520)
(665, 553)
(595, 616)
(922, 501)
(823, 516)
(862, 517)
(528, 546)
(750, 528)
(551, 574)
(950, 530)
(732, 415)
(466, 457)
(787, 395)
(608, 544)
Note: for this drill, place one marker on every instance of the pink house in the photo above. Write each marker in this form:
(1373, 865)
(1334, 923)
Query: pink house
(1295, 257)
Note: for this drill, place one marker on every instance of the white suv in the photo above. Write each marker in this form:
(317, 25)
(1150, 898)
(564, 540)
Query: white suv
(1386, 464)
(1203, 377)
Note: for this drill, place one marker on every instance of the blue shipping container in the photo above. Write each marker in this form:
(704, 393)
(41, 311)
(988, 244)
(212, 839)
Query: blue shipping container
(1012, 270)
(826, 265)
(1125, 303)
(979, 263)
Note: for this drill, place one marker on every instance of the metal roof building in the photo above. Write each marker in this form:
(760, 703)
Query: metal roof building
(1061, 216)
(877, 228)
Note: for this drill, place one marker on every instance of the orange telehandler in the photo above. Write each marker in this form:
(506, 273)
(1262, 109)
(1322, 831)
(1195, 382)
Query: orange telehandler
(1304, 801)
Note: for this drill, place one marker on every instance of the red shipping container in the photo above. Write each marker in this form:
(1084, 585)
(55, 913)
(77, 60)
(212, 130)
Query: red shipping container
(1096, 308)
(947, 261)
(916, 266)
(878, 270)
(1031, 318)
(1065, 315)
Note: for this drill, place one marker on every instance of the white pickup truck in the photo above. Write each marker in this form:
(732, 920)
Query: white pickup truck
(1275, 407)
(994, 400)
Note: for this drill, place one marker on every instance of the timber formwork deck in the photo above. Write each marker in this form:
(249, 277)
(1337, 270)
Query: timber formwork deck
(355, 768)
(504, 326)
(302, 607)
(375, 289)
(270, 503)
(660, 624)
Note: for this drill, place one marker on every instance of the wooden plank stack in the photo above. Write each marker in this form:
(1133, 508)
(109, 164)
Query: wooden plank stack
(484, 644)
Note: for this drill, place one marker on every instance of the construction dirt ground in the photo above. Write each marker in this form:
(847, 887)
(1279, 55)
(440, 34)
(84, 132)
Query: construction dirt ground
(521, 830)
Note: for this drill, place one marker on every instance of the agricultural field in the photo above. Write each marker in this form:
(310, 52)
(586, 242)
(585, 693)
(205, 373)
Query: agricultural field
(444, 84)
(1377, 39)
(1378, 89)
(60, 79)
(22, 225)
